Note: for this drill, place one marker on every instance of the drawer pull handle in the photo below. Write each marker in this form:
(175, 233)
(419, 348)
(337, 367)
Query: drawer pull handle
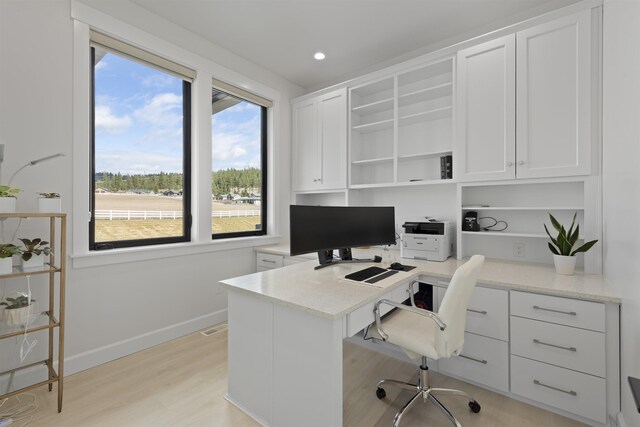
(268, 260)
(536, 341)
(477, 311)
(484, 362)
(571, 392)
(570, 313)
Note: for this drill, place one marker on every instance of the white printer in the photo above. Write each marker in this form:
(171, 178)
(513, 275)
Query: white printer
(430, 240)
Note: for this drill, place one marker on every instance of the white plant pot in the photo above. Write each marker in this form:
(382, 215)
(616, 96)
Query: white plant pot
(7, 204)
(6, 265)
(36, 261)
(17, 316)
(49, 205)
(564, 264)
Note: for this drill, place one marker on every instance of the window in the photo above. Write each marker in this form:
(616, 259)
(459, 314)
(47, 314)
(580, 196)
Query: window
(239, 162)
(140, 165)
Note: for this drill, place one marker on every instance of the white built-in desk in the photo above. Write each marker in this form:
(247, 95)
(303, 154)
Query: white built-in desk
(287, 325)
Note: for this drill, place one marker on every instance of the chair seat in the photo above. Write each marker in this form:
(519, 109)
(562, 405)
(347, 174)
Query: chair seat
(411, 332)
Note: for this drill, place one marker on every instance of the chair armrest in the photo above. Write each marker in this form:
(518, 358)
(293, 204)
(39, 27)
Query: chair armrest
(415, 310)
(411, 293)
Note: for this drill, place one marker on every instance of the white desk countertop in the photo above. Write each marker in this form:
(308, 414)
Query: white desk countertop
(327, 293)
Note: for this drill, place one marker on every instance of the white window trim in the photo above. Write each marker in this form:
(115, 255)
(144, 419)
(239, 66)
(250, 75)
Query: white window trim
(201, 236)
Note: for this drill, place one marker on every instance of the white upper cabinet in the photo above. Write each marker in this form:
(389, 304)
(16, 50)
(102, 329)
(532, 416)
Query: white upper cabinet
(320, 142)
(485, 112)
(554, 98)
(526, 115)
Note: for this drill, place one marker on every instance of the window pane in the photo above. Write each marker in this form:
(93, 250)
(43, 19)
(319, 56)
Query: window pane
(237, 178)
(138, 151)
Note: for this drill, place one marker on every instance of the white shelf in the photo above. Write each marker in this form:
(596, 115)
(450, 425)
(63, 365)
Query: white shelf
(377, 161)
(402, 184)
(427, 94)
(374, 126)
(418, 156)
(507, 234)
(374, 107)
(522, 208)
(438, 113)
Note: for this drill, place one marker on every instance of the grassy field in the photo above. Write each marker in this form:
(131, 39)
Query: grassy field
(150, 228)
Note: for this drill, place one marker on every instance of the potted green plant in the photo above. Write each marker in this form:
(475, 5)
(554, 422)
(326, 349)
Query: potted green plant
(49, 203)
(17, 310)
(32, 253)
(564, 256)
(8, 199)
(7, 251)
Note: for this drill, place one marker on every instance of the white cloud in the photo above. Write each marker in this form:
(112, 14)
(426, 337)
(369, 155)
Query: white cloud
(159, 81)
(137, 162)
(109, 122)
(163, 110)
(101, 65)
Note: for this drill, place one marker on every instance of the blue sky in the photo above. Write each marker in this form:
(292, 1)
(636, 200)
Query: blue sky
(138, 123)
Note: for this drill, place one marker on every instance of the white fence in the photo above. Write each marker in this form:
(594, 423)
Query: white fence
(128, 215)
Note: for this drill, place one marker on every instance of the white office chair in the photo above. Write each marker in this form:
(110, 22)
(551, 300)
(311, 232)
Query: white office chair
(422, 334)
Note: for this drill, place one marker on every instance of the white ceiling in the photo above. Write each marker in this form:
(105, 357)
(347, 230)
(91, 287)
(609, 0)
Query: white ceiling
(282, 35)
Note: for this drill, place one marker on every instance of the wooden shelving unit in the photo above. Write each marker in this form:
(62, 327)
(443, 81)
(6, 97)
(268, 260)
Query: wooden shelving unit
(47, 319)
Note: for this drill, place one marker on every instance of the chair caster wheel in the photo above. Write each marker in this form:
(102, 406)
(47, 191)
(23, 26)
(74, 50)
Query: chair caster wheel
(381, 394)
(474, 406)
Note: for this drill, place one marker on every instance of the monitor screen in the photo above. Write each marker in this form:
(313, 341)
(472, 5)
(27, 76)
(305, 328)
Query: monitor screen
(320, 228)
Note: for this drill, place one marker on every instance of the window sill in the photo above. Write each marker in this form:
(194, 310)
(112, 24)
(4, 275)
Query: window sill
(145, 253)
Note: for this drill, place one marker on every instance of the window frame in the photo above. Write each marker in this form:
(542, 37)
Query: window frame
(264, 119)
(187, 218)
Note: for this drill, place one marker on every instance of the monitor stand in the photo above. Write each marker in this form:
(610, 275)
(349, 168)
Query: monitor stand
(326, 259)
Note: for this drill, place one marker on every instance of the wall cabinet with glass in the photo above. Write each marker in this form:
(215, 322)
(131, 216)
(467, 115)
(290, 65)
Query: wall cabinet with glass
(400, 127)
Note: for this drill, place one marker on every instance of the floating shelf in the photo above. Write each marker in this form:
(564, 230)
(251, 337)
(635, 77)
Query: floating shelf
(522, 208)
(374, 127)
(425, 116)
(507, 234)
(418, 156)
(427, 94)
(401, 184)
(374, 107)
(377, 161)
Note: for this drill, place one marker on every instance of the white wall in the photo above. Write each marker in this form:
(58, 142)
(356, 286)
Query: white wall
(621, 179)
(116, 309)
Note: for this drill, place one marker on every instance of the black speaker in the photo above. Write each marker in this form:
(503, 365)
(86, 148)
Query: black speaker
(470, 221)
(345, 254)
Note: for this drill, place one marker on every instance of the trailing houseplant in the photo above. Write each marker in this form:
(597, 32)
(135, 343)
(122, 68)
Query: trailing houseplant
(7, 251)
(562, 246)
(49, 203)
(8, 198)
(31, 252)
(17, 310)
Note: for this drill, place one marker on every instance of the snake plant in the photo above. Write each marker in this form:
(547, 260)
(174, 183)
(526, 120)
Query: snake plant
(566, 239)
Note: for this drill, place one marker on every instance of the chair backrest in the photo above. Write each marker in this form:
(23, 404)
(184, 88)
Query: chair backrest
(453, 310)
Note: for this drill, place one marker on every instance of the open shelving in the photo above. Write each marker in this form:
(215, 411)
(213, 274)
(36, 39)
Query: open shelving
(400, 126)
(46, 320)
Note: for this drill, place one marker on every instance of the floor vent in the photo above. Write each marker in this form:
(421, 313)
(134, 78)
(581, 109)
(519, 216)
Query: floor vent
(214, 330)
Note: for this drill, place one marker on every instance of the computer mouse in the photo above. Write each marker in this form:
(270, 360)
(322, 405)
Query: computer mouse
(396, 266)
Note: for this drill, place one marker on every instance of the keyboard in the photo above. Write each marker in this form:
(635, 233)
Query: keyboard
(381, 276)
(365, 273)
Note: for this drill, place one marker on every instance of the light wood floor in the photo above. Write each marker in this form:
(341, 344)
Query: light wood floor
(182, 383)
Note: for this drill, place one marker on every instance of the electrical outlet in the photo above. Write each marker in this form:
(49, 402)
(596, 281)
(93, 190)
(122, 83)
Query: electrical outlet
(518, 249)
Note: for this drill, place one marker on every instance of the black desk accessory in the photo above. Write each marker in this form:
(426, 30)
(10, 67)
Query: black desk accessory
(381, 276)
(634, 383)
(364, 274)
(470, 221)
(400, 267)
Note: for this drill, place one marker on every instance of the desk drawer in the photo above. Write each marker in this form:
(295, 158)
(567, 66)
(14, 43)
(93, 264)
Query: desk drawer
(577, 349)
(578, 393)
(483, 360)
(269, 261)
(360, 318)
(487, 312)
(564, 311)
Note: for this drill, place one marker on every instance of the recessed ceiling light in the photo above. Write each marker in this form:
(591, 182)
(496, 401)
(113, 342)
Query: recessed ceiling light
(319, 56)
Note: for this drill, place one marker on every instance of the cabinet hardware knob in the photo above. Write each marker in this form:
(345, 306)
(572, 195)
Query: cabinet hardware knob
(477, 311)
(484, 362)
(537, 341)
(570, 313)
(509, 163)
(521, 163)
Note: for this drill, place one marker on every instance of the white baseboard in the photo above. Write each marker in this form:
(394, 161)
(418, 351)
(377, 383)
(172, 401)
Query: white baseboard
(98, 356)
(246, 411)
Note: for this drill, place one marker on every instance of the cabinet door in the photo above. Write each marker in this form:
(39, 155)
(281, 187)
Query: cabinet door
(306, 147)
(554, 98)
(332, 120)
(484, 146)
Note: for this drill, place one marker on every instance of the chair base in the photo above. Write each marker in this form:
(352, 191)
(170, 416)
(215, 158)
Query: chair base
(423, 390)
